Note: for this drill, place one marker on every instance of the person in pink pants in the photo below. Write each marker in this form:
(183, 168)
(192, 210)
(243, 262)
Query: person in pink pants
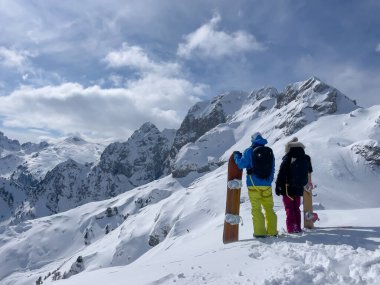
(294, 174)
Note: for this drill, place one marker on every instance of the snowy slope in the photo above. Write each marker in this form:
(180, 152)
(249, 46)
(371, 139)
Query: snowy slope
(326, 256)
(170, 230)
(38, 159)
(191, 217)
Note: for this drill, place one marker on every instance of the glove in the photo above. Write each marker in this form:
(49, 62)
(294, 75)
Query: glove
(309, 187)
(278, 190)
(237, 153)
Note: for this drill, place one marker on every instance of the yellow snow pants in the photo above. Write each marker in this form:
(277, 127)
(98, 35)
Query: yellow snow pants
(261, 196)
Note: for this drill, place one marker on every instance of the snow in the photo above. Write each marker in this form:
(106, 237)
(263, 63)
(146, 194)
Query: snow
(70, 148)
(169, 231)
(192, 252)
(230, 103)
(38, 159)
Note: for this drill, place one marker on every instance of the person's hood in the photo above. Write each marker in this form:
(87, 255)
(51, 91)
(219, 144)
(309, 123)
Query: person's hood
(258, 140)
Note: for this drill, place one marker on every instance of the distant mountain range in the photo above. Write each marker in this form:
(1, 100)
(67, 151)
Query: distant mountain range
(42, 179)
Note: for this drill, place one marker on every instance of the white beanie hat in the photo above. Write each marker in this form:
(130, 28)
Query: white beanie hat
(293, 143)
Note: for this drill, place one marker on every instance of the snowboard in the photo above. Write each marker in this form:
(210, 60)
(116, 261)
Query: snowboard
(308, 222)
(231, 222)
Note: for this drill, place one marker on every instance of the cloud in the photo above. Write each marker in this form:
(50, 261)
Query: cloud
(158, 95)
(132, 56)
(207, 41)
(114, 112)
(378, 47)
(136, 58)
(11, 58)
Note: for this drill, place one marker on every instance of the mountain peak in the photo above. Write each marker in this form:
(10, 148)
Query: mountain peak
(317, 95)
(148, 127)
(75, 140)
(314, 78)
(311, 83)
(8, 144)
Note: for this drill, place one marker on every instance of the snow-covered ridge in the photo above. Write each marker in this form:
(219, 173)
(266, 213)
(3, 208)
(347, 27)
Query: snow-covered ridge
(275, 114)
(38, 159)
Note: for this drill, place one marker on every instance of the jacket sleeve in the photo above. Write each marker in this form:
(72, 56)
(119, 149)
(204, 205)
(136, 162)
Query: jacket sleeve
(244, 161)
(310, 167)
(273, 169)
(281, 176)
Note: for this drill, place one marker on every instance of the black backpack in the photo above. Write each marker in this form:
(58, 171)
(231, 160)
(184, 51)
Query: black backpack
(298, 171)
(262, 161)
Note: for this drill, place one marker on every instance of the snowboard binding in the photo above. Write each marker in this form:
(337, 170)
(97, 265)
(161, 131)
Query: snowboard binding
(233, 219)
(310, 216)
(234, 184)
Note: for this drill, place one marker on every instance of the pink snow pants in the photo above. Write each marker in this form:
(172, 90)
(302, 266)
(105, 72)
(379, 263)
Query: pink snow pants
(293, 213)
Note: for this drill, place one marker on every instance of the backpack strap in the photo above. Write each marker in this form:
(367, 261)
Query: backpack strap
(249, 170)
(261, 191)
(286, 191)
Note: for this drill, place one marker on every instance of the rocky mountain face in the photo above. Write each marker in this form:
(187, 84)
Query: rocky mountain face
(369, 148)
(124, 166)
(24, 167)
(8, 144)
(275, 114)
(149, 154)
(306, 101)
(121, 167)
(201, 118)
(63, 188)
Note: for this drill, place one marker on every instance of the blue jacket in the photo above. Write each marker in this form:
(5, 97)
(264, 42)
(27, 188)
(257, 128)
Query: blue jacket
(245, 161)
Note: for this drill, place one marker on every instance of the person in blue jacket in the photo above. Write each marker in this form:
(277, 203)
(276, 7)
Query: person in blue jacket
(259, 190)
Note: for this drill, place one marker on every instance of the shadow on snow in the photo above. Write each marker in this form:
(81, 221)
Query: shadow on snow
(363, 237)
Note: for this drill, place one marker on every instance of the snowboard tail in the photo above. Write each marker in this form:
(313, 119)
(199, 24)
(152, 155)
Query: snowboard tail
(234, 176)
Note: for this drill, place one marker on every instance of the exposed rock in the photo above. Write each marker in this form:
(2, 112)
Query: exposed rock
(30, 147)
(64, 187)
(23, 176)
(303, 102)
(76, 267)
(135, 162)
(193, 126)
(370, 151)
(268, 92)
(8, 144)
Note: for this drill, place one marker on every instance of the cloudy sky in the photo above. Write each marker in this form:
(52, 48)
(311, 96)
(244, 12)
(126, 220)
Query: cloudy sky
(101, 68)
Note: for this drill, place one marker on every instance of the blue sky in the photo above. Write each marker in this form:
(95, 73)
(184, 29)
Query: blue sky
(103, 68)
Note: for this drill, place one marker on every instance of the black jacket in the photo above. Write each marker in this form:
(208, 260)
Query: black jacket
(283, 176)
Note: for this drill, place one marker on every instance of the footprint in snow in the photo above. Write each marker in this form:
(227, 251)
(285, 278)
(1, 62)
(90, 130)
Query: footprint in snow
(255, 255)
